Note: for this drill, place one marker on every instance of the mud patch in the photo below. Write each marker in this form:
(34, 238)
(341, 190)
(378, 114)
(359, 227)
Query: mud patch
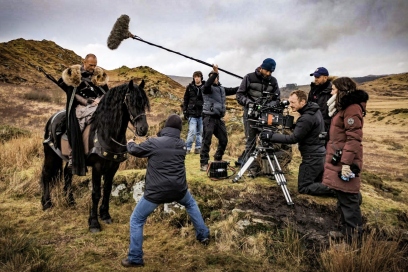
(312, 221)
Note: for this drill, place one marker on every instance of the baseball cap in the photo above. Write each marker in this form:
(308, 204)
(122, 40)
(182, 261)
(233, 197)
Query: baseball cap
(320, 71)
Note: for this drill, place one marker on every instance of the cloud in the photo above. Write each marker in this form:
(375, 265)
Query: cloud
(349, 37)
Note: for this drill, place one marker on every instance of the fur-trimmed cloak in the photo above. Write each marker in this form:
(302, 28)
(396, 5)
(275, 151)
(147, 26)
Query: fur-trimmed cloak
(75, 78)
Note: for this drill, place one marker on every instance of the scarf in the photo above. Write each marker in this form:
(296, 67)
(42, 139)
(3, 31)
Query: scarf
(331, 104)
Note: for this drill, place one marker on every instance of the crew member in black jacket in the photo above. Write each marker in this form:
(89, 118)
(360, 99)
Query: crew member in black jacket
(256, 86)
(165, 183)
(320, 92)
(312, 149)
(192, 110)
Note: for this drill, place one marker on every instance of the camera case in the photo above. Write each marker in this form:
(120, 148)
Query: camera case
(218, 169)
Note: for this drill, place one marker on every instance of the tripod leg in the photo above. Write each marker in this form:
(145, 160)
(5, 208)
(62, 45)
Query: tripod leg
(280, 178)
(244, 168)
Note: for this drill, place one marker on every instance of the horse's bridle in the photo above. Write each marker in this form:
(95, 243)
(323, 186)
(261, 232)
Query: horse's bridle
(132, 118)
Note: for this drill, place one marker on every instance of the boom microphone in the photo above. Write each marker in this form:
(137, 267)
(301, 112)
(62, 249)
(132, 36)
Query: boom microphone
(120, 32)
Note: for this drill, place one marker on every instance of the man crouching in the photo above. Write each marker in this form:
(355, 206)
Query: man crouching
(308, 127)
(165, 183)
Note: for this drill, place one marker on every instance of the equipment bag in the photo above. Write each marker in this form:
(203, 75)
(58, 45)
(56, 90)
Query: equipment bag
(219, 170)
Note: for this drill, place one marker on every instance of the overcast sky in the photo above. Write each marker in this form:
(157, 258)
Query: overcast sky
(348, 37)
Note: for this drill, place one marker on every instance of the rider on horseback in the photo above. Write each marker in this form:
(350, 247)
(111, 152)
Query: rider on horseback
(84, 85)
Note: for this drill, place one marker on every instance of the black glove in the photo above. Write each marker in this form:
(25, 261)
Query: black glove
(185, 115)
(89, 101)
(266, 135)
(249, 101)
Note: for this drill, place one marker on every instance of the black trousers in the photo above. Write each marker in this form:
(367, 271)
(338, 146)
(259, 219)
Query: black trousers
(251, 134)
(348, 205)
(310, 176)
(213, 126)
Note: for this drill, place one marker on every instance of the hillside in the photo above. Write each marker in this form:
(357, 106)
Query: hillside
(20, 59)
(252, 227)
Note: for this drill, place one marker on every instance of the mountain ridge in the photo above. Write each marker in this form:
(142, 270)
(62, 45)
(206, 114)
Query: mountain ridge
(20, 60)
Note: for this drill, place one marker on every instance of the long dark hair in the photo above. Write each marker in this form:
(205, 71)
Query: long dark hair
(109, 114)
(345, 86)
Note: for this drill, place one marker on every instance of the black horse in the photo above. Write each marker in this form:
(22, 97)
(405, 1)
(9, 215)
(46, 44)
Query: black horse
(107, 147)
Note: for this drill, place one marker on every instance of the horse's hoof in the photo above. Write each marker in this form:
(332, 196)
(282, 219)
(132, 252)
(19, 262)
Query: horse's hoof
(107, 221)
(71, 201)
(47, 205)
(94, 230)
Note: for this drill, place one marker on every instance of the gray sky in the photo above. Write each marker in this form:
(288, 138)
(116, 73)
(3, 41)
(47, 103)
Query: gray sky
(348, 37)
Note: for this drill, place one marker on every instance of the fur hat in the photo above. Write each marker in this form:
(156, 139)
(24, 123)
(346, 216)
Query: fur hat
(173, 121)
(72, 75)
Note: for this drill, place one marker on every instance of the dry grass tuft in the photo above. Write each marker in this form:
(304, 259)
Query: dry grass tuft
(373, 254)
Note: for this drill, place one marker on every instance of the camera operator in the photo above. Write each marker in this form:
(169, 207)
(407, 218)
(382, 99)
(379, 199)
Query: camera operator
(255, 87)
(306, 133)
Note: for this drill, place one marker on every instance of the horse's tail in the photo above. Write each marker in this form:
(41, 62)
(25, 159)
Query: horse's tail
(47, 128)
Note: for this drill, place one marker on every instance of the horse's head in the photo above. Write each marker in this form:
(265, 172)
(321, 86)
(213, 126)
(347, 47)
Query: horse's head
(137, 102)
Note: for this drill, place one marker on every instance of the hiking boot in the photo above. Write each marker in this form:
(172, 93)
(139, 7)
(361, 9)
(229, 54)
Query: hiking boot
(127, 263)
(205, 241)
(197, 151)
(204, 167)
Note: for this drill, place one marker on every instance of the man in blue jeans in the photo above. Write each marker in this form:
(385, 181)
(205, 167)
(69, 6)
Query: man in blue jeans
(165, 183)
(192, 110)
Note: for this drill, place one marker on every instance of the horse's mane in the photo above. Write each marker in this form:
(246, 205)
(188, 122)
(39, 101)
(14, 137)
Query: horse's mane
(109, 115)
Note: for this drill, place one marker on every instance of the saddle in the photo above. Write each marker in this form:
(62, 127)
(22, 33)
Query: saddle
(56, 137)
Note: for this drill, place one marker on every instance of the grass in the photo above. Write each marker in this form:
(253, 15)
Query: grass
(36, 96)
(49, 241)
(59, 240)
(374, 254)
(8, 132)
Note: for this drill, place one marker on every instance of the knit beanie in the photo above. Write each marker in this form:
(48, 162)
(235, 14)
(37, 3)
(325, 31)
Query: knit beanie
(269, 65)
(173, 121)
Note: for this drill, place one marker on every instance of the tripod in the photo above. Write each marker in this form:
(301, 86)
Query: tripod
(276, 170)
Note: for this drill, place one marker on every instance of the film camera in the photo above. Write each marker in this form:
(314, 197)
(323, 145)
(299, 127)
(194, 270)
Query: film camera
(267, 113)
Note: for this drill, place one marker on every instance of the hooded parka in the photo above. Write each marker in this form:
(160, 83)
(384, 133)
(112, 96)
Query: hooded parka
(346, 134)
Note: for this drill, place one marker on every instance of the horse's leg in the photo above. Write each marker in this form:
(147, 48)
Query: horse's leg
(93, 222)
(107, 190)
(51, 171)
(68, 186)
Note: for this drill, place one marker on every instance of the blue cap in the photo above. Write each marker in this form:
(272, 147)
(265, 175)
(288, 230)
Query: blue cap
(268, 64)
(321, 71)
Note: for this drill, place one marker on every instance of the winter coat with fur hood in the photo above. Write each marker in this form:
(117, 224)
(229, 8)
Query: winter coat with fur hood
(346, 134)
(75, 80)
